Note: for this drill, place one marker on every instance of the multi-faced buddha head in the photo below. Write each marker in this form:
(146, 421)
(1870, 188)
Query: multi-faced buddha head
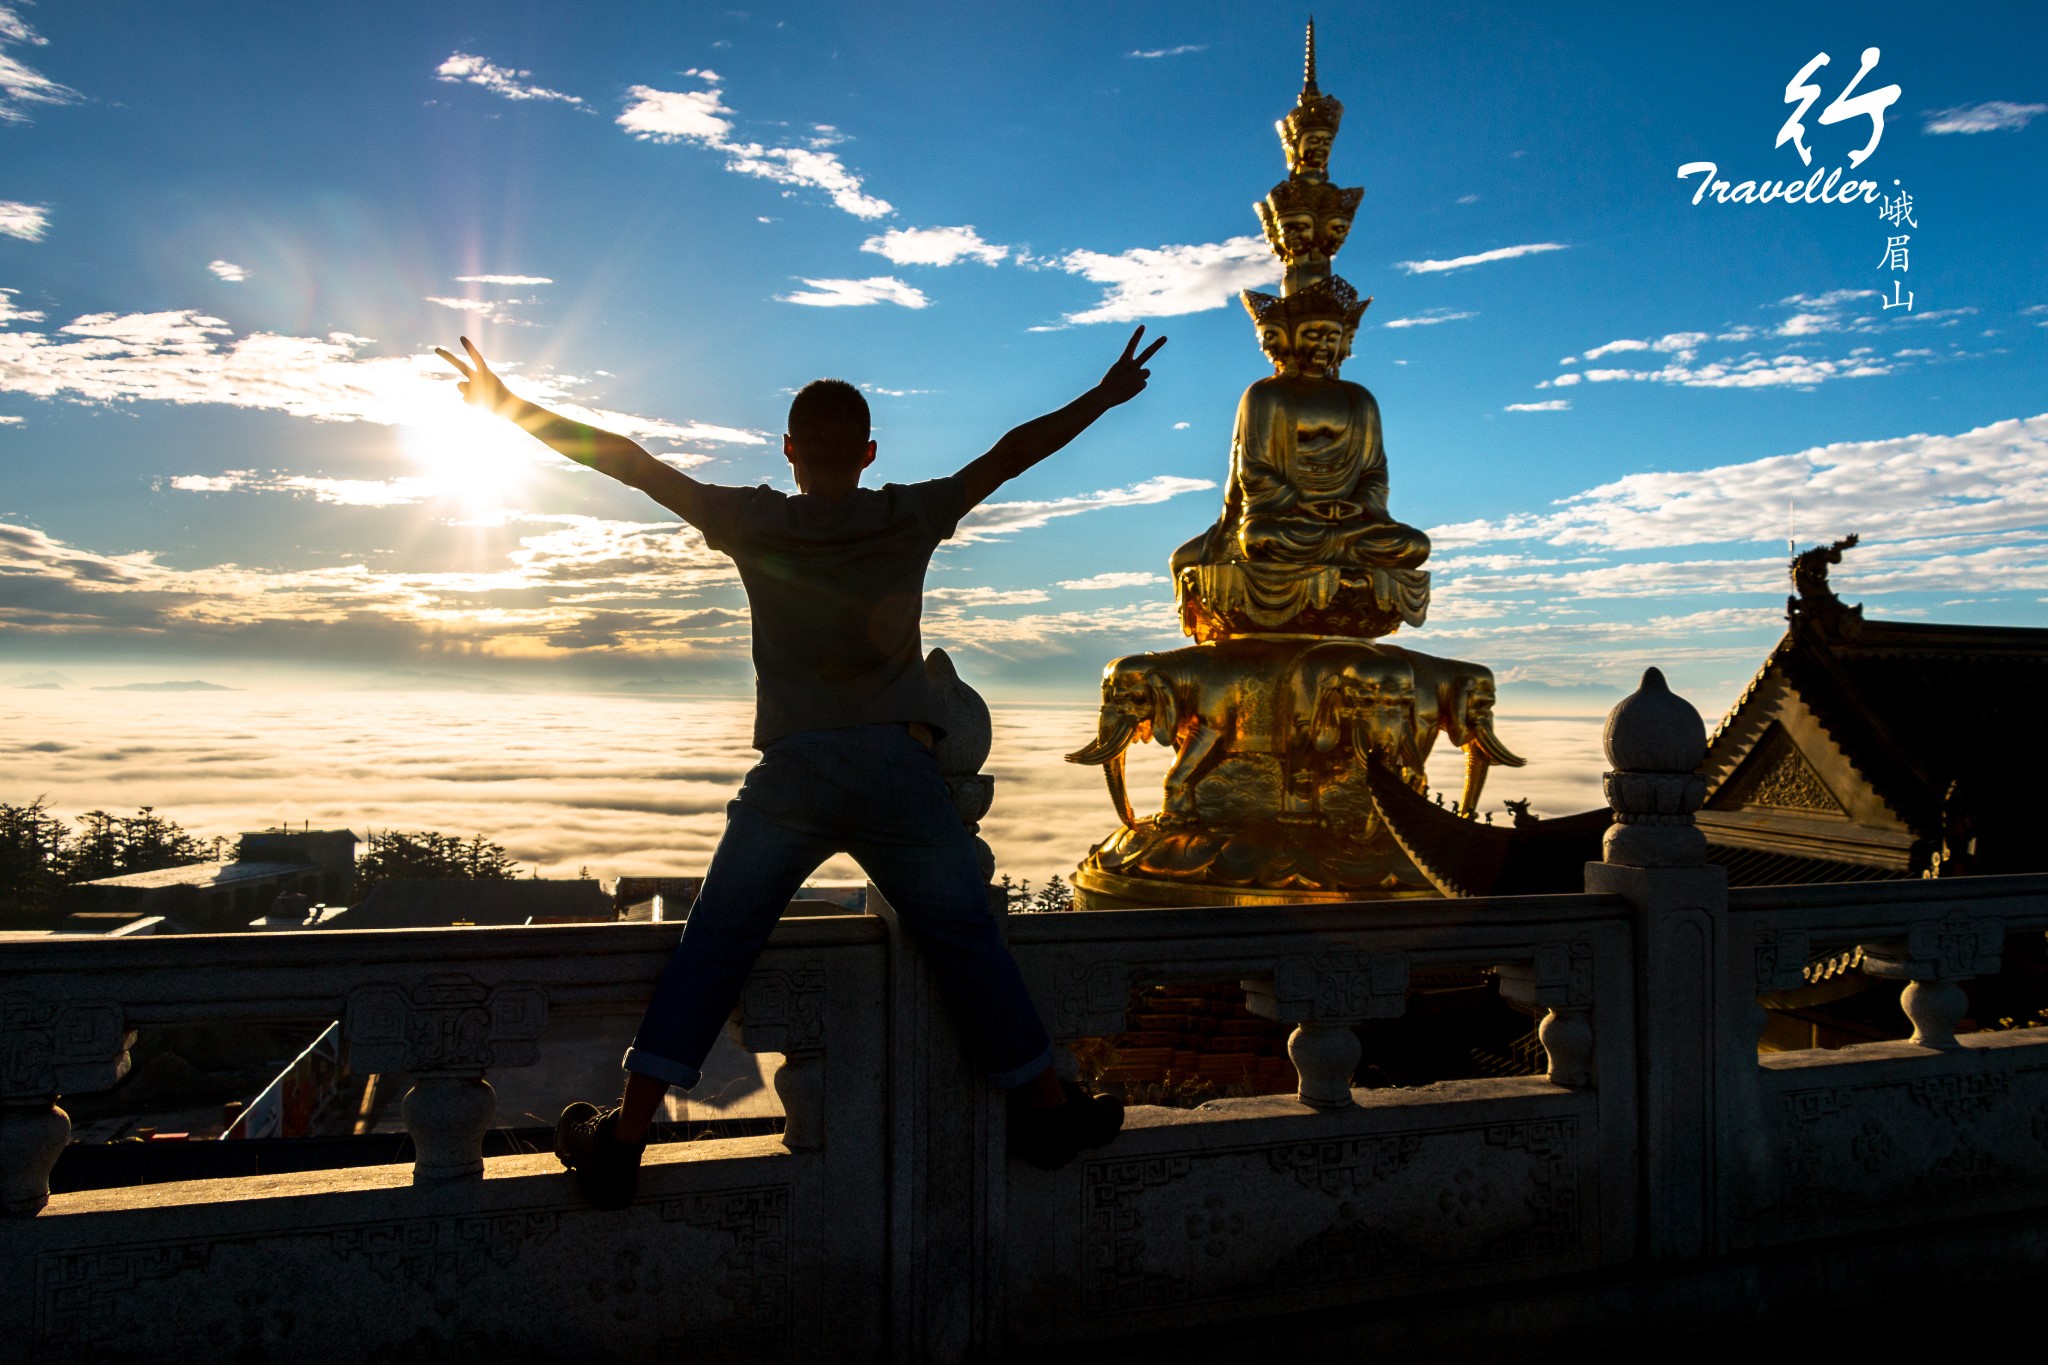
(1305, 219)
(1308, 333)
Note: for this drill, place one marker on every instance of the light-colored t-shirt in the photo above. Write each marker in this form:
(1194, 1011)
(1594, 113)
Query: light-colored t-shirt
(836, 590)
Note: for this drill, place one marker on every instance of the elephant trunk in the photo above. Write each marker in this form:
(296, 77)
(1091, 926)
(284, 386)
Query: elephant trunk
(1113, 774)
(1113, 736)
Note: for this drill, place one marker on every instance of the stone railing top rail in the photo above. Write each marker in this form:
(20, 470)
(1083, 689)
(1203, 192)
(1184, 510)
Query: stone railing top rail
(311, 974)
(2016, 898)
(1426, 922)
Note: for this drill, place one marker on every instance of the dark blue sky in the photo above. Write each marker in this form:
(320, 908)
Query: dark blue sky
(256, 466)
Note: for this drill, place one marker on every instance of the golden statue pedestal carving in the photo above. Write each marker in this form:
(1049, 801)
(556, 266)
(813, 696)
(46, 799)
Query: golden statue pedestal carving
(1277, 709)
(1219, 601)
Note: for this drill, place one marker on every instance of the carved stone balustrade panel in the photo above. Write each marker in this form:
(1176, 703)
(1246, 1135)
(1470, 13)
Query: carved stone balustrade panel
(447, 1023)
(49, 1049)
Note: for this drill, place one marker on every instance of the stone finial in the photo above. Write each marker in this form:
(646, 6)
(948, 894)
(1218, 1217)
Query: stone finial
(970, 733)
(1655, 739)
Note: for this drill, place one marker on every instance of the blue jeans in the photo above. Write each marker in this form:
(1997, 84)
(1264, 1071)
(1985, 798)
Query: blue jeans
(874, 792)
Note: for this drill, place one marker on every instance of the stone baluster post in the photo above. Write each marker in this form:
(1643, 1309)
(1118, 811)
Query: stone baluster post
(446, 1030)
(1656, 860)
(1934, 959)
(1560, 983)
(784, 1011)
(1326, 995)
(46, 1051)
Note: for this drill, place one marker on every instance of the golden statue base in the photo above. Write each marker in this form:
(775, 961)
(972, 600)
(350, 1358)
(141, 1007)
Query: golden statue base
(1276, 864)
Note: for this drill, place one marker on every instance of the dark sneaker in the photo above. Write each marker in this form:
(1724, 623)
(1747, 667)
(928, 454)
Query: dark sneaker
(1050, 1138)
(607, 1170)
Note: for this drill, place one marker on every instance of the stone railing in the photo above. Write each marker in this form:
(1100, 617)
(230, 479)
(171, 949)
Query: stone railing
(1887, 1134)
(887, 1222)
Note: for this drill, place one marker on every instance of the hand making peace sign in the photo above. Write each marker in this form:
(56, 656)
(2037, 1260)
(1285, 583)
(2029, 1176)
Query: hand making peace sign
(480, 387)
(1125, 380)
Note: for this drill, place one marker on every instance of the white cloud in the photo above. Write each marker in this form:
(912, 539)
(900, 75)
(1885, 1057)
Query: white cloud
(26, 221)
(1505, 253)
(986, 597)
(577, 583)
(465, 68)
(343, 492)
(1166, 281)
(229, 271)
(1429, 318)
(1547, 405)
(1991, 116)
(1993, 479)
(1468, 198)
(462, 305)
(1103, 582)
(9, 420)
(934, 246)
(10, 313)
(1179, 51)
(185, 356)
(20, 83)
(856, 293)
(699, 116)
(993, 519)
(1181, 426)
(1812, 316)
(503, 279)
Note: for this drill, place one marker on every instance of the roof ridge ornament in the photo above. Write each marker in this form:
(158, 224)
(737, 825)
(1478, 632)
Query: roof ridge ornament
(1813, 598)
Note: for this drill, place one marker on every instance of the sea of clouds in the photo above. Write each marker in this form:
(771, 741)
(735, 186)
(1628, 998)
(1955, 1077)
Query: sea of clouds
(567, 781)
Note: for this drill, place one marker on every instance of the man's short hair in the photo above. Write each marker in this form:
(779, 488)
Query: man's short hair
(828, 419)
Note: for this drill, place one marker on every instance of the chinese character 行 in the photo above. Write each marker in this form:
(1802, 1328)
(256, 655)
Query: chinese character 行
(1870, 104)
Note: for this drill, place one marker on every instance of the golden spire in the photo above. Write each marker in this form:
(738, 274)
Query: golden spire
(1308, 68)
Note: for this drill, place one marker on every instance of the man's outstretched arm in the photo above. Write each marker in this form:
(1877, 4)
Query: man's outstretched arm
(1025, 446)
(605, 451)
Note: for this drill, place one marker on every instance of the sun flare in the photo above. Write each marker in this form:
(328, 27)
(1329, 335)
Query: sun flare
(470, 456)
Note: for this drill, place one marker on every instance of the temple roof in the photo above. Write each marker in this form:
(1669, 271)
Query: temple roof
(1914, 707)
(1464, 857)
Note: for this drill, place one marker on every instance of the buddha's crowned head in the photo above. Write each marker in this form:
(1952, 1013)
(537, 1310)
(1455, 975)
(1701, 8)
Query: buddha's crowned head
(1308, 333)
(1311, 126)
(1306, 218)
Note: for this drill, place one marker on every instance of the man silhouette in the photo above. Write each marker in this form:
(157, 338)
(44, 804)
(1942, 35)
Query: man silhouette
(844, 719)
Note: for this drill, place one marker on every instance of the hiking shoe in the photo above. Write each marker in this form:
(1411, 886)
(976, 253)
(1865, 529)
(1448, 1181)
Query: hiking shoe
(1050, 1138)
(607, 1170)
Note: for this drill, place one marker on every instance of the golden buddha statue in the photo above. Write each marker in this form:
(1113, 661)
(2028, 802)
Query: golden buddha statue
(1279, 711)
(1305, 544)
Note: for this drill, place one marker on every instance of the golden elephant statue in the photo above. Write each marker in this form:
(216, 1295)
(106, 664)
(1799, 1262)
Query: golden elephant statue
(1456, 699)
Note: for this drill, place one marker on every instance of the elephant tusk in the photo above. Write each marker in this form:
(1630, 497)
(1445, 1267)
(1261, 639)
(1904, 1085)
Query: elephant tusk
(1488, 743)
(1113, 774)
(1110, 743)
(1476, 765)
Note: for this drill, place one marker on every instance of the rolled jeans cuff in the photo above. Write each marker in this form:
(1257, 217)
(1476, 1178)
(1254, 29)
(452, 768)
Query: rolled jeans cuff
(1015, 1076)
(642, 1062)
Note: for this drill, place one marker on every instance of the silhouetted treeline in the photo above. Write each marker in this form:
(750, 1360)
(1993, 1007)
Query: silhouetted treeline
(40, 851)
(427, 855)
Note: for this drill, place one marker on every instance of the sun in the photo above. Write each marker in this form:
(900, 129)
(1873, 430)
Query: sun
(470, 456)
